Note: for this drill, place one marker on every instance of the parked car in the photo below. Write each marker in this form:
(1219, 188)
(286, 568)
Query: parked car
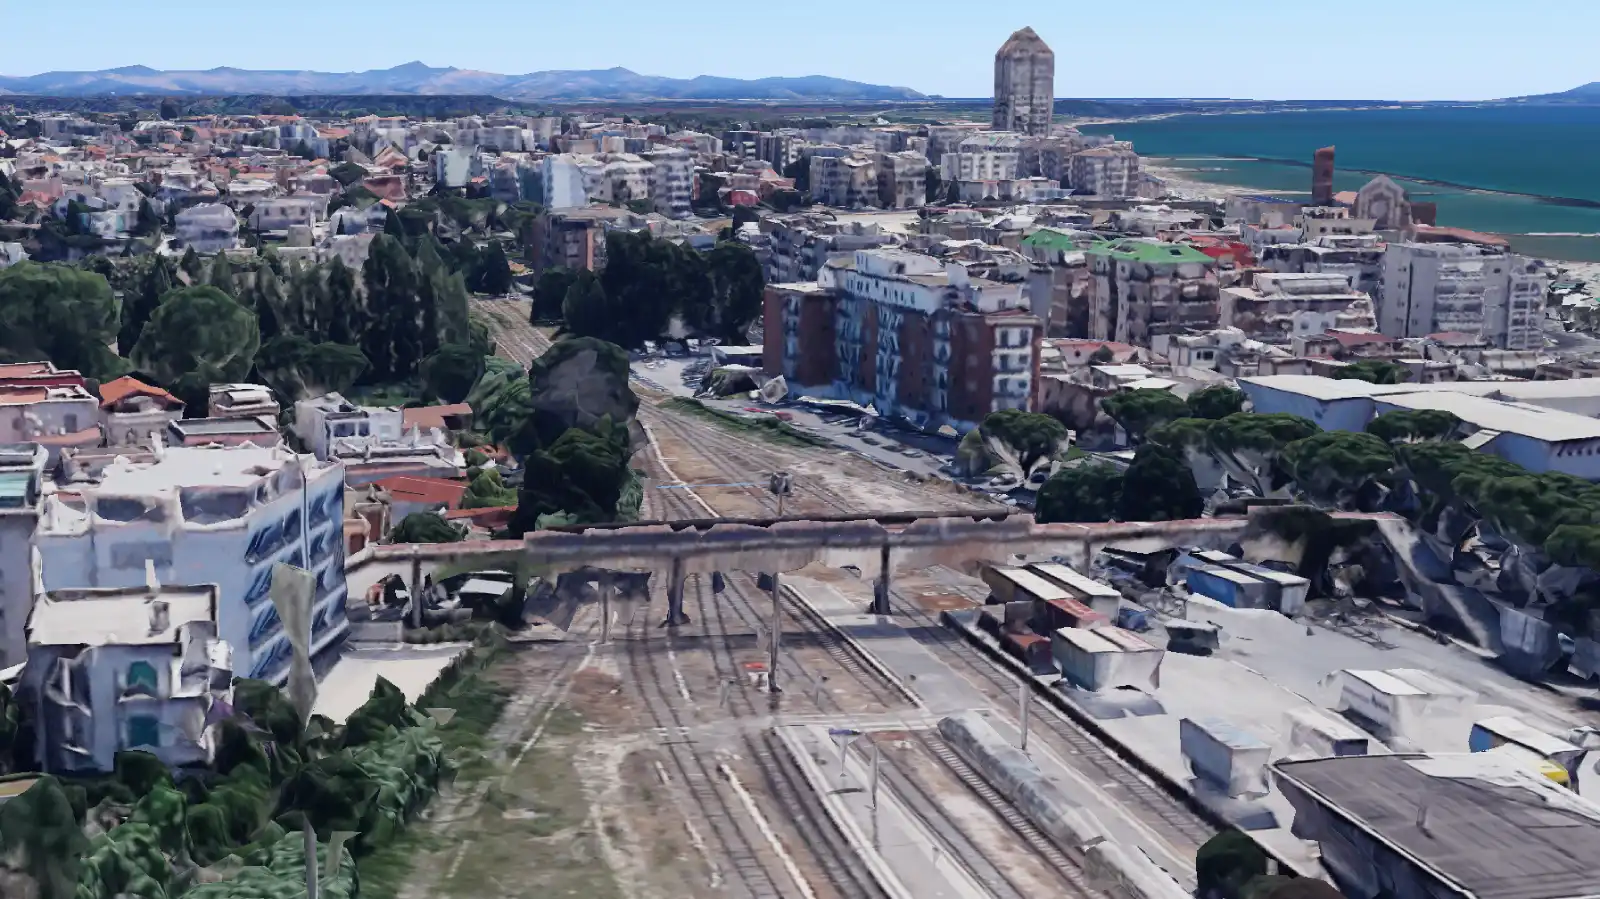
(871, 441)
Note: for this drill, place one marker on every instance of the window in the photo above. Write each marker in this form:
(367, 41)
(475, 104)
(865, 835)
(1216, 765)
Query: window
(142, 678)
(143, 730)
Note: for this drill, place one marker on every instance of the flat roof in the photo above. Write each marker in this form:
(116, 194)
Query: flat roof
(1537, 422)
(1385, 682)
(1087, 640)
(1493, 829)
(1326, 389)
(221, 426)
(1027, 580)
(1227, 574)
(1073, 580)
(117, 616)
(1282, 578)
(1520, 732)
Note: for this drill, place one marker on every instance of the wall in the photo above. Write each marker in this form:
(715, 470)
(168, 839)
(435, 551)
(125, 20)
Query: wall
(1331, 415)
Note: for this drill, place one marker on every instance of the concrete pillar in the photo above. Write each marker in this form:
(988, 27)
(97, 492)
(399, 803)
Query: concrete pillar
(675, 613)
(776, 638)
(416, 589)
(607, 586)
(880, 590)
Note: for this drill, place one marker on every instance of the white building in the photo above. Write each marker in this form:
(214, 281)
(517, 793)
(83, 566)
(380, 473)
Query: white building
(21, 477)
(847, 182)
(563, 182)
(1105, 172)
(1433, 287)
(455, 166)
(672, 181)
(133, 668)
(324, 423)
(1276, 308)
(1384, 203)
(621, 179)
(283, 213)
(986, 156)
(220, 516)
(902, 180)
(208, 228)
(134, 413)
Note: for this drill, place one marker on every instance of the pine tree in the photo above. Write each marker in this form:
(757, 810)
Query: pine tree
(138, 305)
(221, 275)
(341, 315)
(192, 266)
(392, 341)
(494, 270)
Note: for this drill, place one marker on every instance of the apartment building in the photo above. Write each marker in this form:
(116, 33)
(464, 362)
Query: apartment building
(913, 337)
(848, 182)
(1276, 308)
(672, 181)
(1105, 172)
(985, 156)
(21, 482)
(573, 238)
(134, 412)
(1145, 288)
(117, 669)
(208, 228)
(902, 180)
(1429, 288)
(802, 242)
(283, 213)
(622, 179)
(56, 417)
(1358, 257)
(1060, 285)
(222, 516)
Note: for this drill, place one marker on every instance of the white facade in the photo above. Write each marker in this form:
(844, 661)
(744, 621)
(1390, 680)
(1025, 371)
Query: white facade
(21, 478)
(988, 156)
(672, 181)
(1105, 172)
(902, 180)
(844, 181)
(1276, 308)
(327, 423)
(220, 516)
(283, 213)
(1429, 288)
(564, 182)
(455, 166)
(125, 669)
(208, 228)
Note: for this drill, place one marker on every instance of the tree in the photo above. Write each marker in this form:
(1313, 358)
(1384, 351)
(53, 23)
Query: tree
(59, 313)
(197, 337)
(1159, 486)
(583, 474)
(169, 110)
(737, 291)
(392, 225)
(1087, 491)
(147, 222)
(1249, 445)
(426, 527)
(347, 173)
(1410, 426)
(191, 265)
(494, 271)
(1029, 437)
(1336, 466)
(221, 275)
(42, 842)
(1215, 402)
(1102, 356)
(930, 184)
(488, 491)
(297, 369)
(392, 341)
(1374, 371)
(550, 292)
(304, 151)
(1137, 411)
(587, 309)
(579, 383)
(141, 302)
(450, 371)
(1225, 863)
(343, 317)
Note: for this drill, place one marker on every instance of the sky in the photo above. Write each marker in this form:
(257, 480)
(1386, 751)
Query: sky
(1260, 49)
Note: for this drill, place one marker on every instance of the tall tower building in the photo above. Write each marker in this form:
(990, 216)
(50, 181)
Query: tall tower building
(1322, 177)
(1024, 85)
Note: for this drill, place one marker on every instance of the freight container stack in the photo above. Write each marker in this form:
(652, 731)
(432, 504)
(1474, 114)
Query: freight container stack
(1105, 658)
(1100, 597)
(1224, 756)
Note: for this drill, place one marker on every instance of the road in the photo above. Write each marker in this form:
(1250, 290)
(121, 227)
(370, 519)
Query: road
(689, 687)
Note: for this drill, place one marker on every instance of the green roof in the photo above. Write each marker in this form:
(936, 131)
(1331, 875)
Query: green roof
(1154, 253)
(1050, 239)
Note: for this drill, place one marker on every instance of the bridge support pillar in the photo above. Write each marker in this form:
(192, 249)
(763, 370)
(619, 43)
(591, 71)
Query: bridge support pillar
(776, 636)
(608, 586)
(880, 590)
(675, 614)
(415, 587)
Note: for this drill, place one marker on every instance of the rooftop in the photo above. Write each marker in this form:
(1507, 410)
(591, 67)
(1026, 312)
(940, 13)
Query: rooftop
(113, 392)
(120, 616)
(1149, 252)
(1537, 422)
(410, 488)
(1491, 828)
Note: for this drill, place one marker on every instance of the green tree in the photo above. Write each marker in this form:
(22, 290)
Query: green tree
(426, 527)
(1374, 371)
(392, 341)
(580, 383)
(141, 302)
(146, 223)
(583, 473)
(392, 226)
(1249, 446)
(343, 316)
(737, 291)
(587, 309)
(1226, 863)
(1102, 356)
(304, 151)
(1159, 486)
(449, 372)
(296, 368)
(1215, 402)
(221, 275)
(197, 337)
(192, 266)
(550, 292)
(169, 110)
(1087, 491)
(494, 271)
(348, 173)
(42, 841)
(1336, 466)
(1137, 411)
(1030, 437)
(488, 491)
(60, 313)
(1410, 426)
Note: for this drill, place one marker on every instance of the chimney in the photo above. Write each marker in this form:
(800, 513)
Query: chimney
(160, 617)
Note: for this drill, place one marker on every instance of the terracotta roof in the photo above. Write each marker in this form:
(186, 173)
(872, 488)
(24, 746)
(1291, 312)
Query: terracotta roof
(113, 392)
(25, 368)
(490, 517)
(23, 396)
(409, 488)
(425, 417)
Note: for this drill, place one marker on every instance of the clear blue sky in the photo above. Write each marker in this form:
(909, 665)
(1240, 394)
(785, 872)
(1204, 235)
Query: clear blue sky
(1267, 49)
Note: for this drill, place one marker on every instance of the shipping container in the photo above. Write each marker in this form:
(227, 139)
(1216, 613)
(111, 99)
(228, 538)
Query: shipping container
(1100, 597)
(1196, 637)
(1019, 614)
(1029, 649)
(1197, 558)
(1229, 587)
(1104, 659)
(990, 623)
(1286, 592)
(1325, 735)
(1051, 615)
(1393, 706)
(1133, 618)
(1444, 697)
(1225, 756)
(1492, 733)
(1016, 584)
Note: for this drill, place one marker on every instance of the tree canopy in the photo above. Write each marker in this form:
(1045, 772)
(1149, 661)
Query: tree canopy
(198, 334)
(1087, 492)
(60, 313)
(1159, 486)
(1374, 371)
(426, 527)
(1409, 426)
(1334, 466)
(550, 293)
(1215, 402)
(1138, 411)
(1030, 436)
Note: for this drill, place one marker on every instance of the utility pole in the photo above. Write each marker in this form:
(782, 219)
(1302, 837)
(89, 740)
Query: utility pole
(313, 887)
(1022, 713)
(872, 789)
(782, 485)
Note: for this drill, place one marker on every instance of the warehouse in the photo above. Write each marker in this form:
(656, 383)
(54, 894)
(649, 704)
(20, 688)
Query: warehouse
(1428, 827)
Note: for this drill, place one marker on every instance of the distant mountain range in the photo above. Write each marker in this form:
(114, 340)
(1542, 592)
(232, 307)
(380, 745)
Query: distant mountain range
(415, 78)
(1582, 95)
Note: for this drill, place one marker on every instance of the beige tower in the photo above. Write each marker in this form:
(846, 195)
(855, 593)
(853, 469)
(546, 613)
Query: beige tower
(1024, 84)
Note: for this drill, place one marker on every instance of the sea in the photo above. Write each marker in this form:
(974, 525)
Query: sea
(1526, 172)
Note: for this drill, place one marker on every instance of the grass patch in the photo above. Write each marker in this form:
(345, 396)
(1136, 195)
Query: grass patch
(769, 428)
(384, 873)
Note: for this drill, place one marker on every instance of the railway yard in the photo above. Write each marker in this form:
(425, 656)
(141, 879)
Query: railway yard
(658, 764)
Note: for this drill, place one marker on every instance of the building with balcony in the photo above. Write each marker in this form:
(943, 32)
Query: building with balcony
(847, 182)
(1276, 308)
(1358, 257)
(913, 337)
(211, 515)
(208, 228)
(985, 156)
(1142, 289)
(1105, 172)
(1429, 288)
(802, 242)
(671, 181)
(21, 480)
(133, 668)
(241, 401)
(573, 239)
(283, 213)
(55, 417)
(902, 180)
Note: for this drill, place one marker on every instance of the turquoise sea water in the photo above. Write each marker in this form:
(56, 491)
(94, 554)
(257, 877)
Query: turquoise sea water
(1516, 171)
